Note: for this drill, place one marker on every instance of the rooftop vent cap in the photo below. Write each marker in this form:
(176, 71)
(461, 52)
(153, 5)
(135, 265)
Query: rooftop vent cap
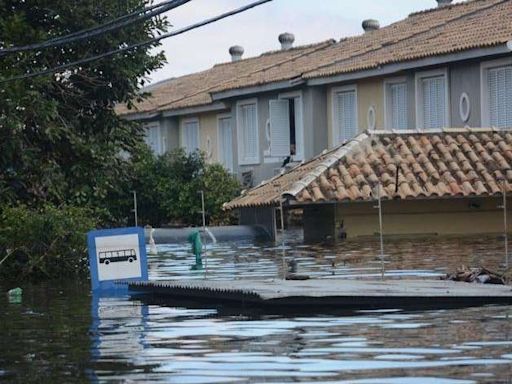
(236, 53)
(286, 39)
(443, 3)
(371, 25)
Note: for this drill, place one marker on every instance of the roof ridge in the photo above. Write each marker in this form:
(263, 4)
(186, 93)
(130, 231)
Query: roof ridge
(411, 36)
(277, 51)
(336, 155)
(317, 47)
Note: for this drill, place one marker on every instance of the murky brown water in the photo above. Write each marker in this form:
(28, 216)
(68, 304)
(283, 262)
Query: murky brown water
(60, 333)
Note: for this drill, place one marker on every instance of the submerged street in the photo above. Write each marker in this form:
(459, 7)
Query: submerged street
(61, 333)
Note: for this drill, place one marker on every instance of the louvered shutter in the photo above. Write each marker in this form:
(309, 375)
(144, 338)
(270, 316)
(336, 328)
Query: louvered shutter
(226, 143)
(248, 135)
(191, 136)
(153, 138)
(434, 102)
(279, 128)
(398, 107)
(346, 119)
(499, 84)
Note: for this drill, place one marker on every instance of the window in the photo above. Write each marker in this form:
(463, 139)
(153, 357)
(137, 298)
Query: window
(286, 132)
(432, 107)
(344, 114)
(395, 102)
(247, 130)
(190, 135)
(153, 138)
(225, 142)
(497, 94)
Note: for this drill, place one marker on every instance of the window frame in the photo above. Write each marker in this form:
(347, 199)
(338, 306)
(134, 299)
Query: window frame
(299, 126)
(387, 104)
(485, 66)
(155, 124)
(220, 117)
(419, 76)
(242, 159)
(336, 140)
(182, 141)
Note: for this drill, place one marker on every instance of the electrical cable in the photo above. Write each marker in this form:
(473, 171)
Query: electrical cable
(145, 43)
(123, 21)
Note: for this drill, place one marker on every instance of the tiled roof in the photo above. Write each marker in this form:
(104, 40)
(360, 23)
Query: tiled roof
(195, 89)
(456, 28)
(449, 163)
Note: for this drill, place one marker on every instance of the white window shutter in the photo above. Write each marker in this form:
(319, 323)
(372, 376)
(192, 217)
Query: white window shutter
(499, 85)
(398, 107)
(248, 147)
(153, 138)
(226, 143)
(191, 136)
(279, 128)
(434, 102)
(346, 116)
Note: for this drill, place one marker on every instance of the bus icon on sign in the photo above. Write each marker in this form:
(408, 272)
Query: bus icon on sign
(108, 257)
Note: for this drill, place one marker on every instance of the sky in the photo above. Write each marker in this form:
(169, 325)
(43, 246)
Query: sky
(257, 29)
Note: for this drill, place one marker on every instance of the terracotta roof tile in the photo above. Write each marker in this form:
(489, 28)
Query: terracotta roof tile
(440, 31)
(451, 163)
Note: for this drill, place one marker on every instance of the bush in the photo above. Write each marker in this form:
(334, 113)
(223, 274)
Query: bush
(168, 189)
(48, 243)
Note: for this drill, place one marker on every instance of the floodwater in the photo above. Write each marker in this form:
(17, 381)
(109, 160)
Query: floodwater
(60, 333)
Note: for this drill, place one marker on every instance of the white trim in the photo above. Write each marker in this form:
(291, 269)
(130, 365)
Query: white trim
(182, 134)
(464, 115)
(484, 91)
(299, 126)
(387, 82)
(241, 160)
(419, 99)
(334, 131)
(220, 117)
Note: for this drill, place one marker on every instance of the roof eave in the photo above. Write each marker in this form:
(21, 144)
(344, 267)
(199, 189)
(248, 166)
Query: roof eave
(269, 87)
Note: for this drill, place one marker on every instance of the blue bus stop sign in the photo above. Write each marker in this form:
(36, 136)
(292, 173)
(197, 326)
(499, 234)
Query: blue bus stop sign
(116, 255)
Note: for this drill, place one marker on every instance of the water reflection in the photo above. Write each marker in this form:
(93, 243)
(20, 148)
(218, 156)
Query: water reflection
(62, 334)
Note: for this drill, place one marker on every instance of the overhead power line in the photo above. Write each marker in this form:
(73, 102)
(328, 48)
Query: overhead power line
(139, 45)
(123, 21)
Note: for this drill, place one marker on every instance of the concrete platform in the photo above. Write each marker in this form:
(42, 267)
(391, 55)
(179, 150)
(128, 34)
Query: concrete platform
(339, 294)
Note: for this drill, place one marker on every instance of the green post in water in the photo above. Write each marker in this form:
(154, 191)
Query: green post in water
(197, 246)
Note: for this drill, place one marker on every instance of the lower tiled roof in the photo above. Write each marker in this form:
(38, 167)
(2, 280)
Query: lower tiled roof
(447, 163)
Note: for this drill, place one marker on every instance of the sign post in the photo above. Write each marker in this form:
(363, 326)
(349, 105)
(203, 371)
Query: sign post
(116, 255)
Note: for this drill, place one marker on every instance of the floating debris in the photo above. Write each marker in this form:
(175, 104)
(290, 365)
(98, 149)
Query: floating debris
(477, 275)
(14, 295)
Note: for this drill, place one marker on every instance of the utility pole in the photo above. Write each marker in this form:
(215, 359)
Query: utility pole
(135, 213)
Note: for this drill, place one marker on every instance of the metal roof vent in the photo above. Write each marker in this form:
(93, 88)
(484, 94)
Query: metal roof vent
(236, 53)
(371, 25)
(286, 39)
(443, 3)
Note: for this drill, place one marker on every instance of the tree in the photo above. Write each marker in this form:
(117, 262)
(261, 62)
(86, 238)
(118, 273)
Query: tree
(60, 139)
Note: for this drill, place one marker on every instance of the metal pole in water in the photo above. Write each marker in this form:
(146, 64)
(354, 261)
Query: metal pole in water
(504, 185)
(381, 234)
(204, 231)
(135, 213)
(282, 238)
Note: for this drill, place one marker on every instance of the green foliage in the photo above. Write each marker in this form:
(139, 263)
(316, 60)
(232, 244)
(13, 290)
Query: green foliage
(168, 188)
(60, 139)
(47, 243)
